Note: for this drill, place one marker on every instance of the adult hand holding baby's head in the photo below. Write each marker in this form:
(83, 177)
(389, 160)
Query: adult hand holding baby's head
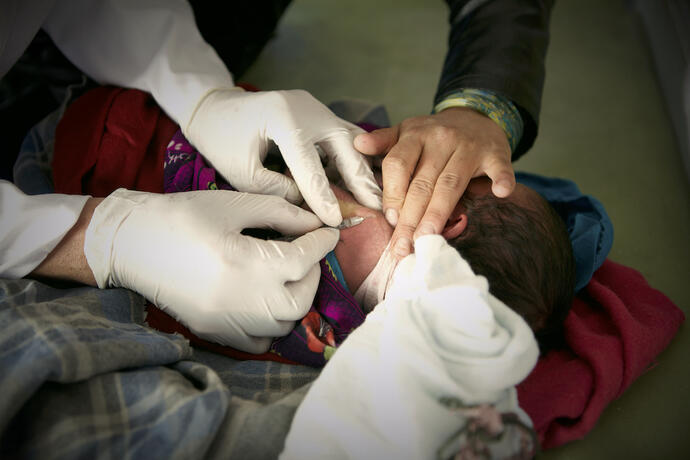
(428, 163)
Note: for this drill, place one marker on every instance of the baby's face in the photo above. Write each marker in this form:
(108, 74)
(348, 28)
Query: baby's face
(361, 246)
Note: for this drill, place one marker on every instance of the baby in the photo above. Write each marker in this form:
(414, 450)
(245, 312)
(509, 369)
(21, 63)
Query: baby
(520, 244)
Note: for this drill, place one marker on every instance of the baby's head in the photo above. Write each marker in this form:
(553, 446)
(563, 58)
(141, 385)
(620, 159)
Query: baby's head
(521, 245)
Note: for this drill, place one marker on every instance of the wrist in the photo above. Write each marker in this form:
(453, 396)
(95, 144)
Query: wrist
(107, 219)
(498, 108)
(67, 260)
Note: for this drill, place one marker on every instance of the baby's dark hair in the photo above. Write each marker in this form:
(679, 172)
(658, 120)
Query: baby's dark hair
(526, 255)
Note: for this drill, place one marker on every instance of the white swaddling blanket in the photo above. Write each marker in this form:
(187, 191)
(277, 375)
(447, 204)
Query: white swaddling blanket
(438, 334)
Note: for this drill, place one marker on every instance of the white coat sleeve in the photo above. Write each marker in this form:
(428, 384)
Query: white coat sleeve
(31, 226)
(152, 45)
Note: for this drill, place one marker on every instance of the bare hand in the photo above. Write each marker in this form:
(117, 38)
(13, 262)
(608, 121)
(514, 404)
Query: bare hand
(428, 162)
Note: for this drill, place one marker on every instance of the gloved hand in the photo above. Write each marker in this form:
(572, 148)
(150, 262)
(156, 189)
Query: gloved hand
(233, 129)
(185, 253)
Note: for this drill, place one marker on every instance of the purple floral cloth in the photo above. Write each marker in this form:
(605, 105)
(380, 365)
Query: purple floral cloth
(185, 169)
(334, 313)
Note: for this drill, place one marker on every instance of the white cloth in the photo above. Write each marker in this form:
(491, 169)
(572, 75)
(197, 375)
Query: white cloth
(372, 291)
(130, 43)
(439, 333)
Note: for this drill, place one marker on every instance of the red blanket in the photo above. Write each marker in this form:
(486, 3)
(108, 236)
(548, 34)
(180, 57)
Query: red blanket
(113, 138)
(110, 138)
(617, 326)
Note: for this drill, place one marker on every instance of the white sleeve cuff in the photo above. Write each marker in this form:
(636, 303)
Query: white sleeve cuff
(31, 226)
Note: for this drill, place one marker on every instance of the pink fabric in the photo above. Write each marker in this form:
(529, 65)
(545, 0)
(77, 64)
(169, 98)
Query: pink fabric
(617, 326)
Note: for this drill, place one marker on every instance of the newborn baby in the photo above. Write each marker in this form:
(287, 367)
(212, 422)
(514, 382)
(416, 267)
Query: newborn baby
(518, 243)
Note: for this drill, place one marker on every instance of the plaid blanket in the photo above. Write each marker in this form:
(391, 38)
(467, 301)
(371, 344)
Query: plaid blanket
(82, 376)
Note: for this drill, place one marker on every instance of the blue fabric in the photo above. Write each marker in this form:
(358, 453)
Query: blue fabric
(589, 226)
(332, 262)
(32, 169)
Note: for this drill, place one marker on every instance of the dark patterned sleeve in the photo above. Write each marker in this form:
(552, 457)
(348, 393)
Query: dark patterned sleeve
(499, 46)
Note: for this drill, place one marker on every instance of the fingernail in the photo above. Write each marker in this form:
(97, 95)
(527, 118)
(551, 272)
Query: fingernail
(425, 228)
(392, 217)
(504, 186)
(358, 140)
(402, 247)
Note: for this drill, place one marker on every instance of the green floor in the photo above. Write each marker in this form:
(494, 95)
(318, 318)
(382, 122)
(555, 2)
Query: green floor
(603, 125)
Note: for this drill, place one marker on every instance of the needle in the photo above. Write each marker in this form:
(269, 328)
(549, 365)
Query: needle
(350, 222)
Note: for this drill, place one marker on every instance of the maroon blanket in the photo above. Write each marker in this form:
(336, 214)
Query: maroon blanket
(618, 324)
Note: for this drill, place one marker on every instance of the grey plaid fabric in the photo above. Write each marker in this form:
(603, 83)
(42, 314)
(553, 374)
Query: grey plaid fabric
(83, 377)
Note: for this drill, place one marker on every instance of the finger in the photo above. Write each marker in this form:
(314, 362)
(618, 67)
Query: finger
(277, 214)
(353, 128)
(269, 182)
(298, 296)
(305, 165)
(377, 142)
(266, 326)
(302, 253)
(397, 168)
(291, 260)
(419, 193)
(354, 169)
(500, 170)
(251, 344)
(250, 339)
(449, 187)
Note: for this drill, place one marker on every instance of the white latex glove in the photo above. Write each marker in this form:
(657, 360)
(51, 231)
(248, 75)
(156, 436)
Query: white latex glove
(233, 129)
(185, 253)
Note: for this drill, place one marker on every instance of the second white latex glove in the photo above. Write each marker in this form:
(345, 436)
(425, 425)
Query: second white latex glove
(185, 253)
(234, 129)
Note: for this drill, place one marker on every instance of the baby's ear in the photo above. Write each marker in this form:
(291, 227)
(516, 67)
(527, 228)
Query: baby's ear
(455, 226)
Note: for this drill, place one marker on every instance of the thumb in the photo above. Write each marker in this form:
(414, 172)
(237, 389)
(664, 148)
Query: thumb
(305, 164)
(500, 171)
(301, 254)
(298, 297)
(269, 182)
(250, 344)
(278, 214)
(377, 142)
